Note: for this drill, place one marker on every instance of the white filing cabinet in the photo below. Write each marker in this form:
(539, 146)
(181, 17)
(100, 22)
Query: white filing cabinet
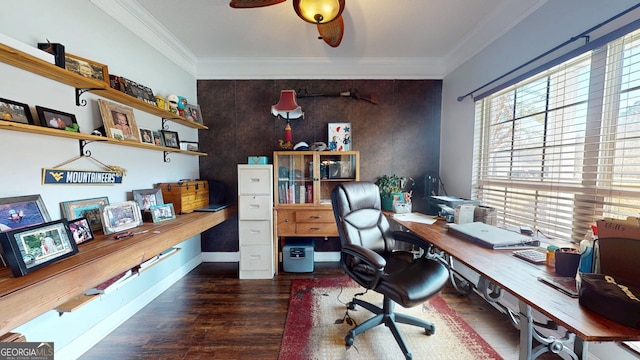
(255, 221)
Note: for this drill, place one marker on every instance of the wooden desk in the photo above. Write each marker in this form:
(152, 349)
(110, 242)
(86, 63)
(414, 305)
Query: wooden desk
(27, 297)
(519, 278)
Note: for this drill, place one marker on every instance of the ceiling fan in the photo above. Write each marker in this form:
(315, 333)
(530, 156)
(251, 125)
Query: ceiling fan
(326, 14)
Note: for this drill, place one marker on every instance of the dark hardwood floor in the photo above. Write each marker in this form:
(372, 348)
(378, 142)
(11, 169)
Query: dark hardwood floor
(211, 314)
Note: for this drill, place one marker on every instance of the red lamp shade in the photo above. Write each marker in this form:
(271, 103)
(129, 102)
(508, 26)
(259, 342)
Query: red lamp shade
(287, 106)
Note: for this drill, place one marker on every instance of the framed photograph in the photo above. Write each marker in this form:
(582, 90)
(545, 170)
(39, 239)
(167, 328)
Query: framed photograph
(80, 230)
(189, 145)
(87, 68)
(339, 136)
(120, 216)
(170, 139)
(158, 139)
(162, 212)
(86, 208)
(22, 211)
(57, 119)
(193, 113)
(118, 120)
(146, 136)
(34, 247)
(146, 198)
(15, 111)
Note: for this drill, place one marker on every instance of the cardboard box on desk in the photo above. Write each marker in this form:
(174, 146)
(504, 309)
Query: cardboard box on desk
(618, 228)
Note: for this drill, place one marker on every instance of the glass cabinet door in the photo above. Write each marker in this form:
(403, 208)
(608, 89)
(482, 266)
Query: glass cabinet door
(295, 177)
(336, 168)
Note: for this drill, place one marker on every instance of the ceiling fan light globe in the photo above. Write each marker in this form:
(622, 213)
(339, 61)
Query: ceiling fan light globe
(318, 11)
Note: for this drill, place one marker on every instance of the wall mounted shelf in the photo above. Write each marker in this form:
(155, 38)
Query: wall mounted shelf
(82, 84)
(34, 129)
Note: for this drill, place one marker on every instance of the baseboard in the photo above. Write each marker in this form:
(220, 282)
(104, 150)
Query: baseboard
(319, 256)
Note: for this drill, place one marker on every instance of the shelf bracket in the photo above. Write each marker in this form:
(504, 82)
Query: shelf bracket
(83, 143)
(164, 124)
(79, 93)
(166, 156)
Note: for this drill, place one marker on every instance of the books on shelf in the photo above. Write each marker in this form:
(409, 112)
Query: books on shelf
(294, 193)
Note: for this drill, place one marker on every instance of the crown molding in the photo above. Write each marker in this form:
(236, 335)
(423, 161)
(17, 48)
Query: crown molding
(320, 68)
(138, 20)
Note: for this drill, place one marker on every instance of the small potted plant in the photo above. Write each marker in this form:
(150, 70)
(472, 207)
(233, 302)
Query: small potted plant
(391, 186)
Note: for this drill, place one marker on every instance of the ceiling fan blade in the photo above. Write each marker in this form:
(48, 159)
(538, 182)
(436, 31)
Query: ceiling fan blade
(332, 32)
(245, 4)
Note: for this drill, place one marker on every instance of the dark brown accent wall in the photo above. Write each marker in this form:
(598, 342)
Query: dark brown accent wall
(400, 135)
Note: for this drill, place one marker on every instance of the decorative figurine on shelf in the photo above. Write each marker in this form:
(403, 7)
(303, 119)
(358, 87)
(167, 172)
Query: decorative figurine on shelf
(161, 103)
(288, 107)
(182, 105)
(173, 103)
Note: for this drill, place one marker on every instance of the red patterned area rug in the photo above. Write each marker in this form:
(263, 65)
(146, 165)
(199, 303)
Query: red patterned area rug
(315, 328)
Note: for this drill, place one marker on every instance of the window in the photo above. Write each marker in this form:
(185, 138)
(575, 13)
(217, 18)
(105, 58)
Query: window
(560, 150)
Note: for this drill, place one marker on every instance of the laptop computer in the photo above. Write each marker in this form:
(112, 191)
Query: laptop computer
(212, 208)
(491, 237)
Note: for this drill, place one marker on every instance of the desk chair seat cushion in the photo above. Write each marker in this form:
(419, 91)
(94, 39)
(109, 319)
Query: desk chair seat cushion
(417, 282)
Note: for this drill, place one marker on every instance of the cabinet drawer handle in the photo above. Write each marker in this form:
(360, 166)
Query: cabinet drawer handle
(314, 229)
(254, 206)
(254, 231)
(316, 217)
(254, 180)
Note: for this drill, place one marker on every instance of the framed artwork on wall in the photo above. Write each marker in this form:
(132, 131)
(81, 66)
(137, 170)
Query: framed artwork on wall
(87, 68)
(339, 136)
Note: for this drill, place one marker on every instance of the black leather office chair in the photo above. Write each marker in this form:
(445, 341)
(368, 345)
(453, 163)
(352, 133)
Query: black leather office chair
(369, 257)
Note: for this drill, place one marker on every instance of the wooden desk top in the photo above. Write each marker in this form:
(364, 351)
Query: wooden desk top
(519, 278)
(27, 297)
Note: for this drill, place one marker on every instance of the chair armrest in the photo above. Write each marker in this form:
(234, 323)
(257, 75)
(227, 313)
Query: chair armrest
(371, 257)
(413, 239)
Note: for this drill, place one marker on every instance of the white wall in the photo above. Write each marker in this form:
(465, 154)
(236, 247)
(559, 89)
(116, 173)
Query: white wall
(550, 25)
(88, 32)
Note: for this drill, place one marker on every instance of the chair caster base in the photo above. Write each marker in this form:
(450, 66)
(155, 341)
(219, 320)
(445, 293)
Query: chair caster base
(348, 340)
(430, 330)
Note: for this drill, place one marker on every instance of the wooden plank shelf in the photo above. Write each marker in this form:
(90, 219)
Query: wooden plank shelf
(97, 261)
(40, 67)
(41, 130)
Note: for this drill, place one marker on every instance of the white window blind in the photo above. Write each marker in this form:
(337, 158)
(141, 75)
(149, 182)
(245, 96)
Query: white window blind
(560, 150)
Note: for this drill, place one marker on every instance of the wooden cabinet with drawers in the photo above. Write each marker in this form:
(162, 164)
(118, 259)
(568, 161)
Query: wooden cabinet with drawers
(302, 185)
(255, 221)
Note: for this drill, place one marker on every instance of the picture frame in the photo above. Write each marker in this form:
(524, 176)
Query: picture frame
(192, 112)
(158, 139)
(340, 136)
(120, 216)
(170, 139)
(87, 68)
(189, 145)
(162, 212)
(22, 211)
(146, 136)
(85, 208)
(34, 247)
(80, 230)
(146, 198)
(119, 122)
(15, 112)
(56, 119)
